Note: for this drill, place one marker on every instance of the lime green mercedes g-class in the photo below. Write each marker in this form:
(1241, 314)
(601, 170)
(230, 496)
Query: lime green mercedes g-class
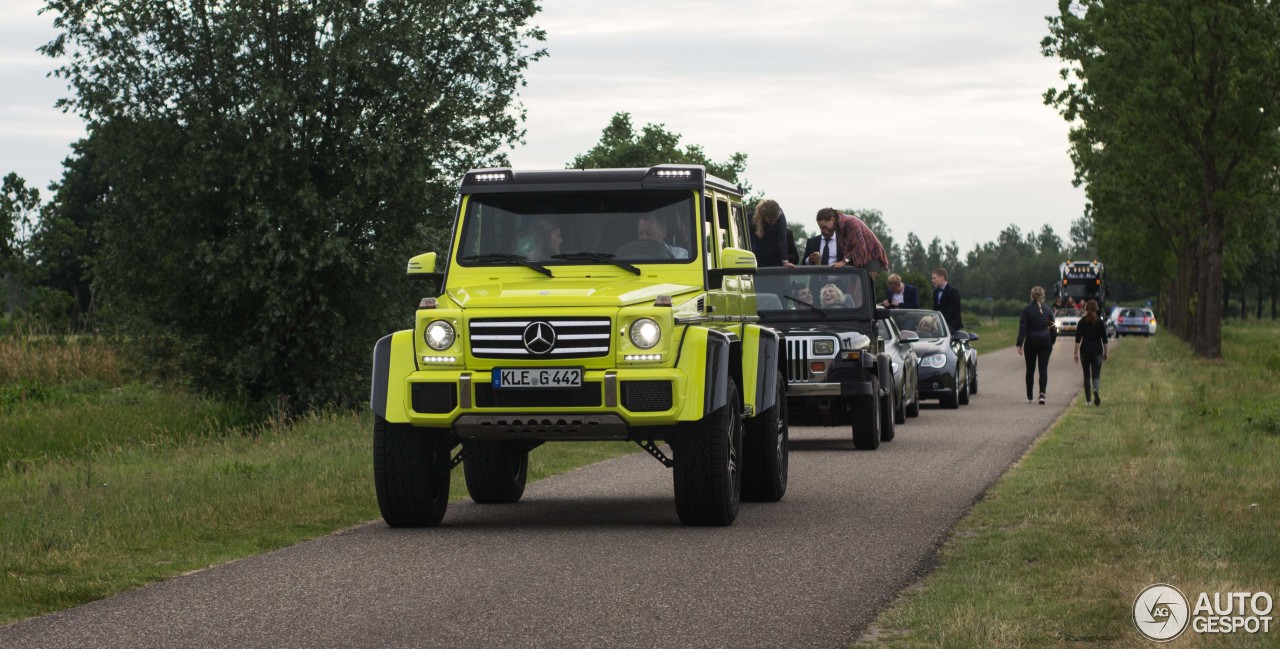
(610, 304)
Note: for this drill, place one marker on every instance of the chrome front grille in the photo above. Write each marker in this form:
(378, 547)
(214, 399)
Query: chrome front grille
(797, 360)
(507, 337)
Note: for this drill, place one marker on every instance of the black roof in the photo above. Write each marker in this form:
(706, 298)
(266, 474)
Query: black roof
(504, 180)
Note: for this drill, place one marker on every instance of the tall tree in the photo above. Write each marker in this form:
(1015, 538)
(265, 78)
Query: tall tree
(620, 146)
(18, 205)
(1174, 109)
(272, 164)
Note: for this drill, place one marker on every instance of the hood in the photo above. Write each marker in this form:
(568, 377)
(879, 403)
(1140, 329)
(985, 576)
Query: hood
(928, 347)
(565, 292)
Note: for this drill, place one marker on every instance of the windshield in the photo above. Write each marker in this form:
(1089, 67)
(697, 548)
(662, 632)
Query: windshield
(578, 227)
(831, 291)
(926, 324)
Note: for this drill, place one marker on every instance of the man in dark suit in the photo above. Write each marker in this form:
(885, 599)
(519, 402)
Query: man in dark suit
(822, 249)
(946, 298)
(901, 295)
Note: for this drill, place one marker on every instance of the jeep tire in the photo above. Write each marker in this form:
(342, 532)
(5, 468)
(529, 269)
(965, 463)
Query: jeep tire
(495, 471)
(866, 418)
(765, 452)
(707, 472)
(411, 473)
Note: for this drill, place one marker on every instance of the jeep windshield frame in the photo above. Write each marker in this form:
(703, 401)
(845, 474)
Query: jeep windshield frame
(588, 227)
(779, 297)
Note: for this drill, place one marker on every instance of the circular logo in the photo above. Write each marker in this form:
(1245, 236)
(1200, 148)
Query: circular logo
(1161, 612)
(539, 338)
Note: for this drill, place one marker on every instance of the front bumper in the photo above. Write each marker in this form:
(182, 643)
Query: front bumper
(609, 404)
(936, 383)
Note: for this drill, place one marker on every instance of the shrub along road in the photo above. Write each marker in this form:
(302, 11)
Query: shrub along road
(596, 557)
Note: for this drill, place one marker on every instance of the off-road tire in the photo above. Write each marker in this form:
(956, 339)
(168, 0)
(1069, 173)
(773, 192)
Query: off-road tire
(887, 417)
(410, 473)
(495, 471)
(707, 472)
(866, 418)
(765, 451)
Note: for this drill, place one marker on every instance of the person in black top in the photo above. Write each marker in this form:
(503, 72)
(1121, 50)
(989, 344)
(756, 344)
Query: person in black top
(946, 298)
(1035, 339)
(1091, 345)
(769, 235)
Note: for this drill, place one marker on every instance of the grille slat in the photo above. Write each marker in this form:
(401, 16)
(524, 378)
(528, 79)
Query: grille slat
(797, 360)
(504, 337)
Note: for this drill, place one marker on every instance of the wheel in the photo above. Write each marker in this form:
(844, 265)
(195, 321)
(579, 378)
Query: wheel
(900, 413)
(765, 452)
(963, 397)
(495, 471)
(913, 410)
(951, 401)
(866, 418)
(973, 380)
(708, 482)
(410, 473)
(887, 415)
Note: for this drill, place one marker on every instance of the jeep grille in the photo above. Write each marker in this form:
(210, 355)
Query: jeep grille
(797, 360)
(573, 338)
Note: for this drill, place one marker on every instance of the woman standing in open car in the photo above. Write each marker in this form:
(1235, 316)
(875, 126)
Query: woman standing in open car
(1035, 340)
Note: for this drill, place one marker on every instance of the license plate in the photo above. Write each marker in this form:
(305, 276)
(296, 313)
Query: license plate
(533, 377)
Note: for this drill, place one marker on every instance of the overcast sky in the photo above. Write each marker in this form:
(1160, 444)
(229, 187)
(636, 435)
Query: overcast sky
(929, 111)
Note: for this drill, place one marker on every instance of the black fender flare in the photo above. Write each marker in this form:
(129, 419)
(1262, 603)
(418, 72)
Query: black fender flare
(381, 370)
(771, 356)
(716, 389)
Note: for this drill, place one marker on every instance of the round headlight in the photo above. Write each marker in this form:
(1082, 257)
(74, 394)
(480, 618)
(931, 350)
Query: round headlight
(439, 335)
(645, 333)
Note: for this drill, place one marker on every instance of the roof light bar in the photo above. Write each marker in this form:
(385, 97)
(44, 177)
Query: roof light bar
(490, 177)
(674, 173)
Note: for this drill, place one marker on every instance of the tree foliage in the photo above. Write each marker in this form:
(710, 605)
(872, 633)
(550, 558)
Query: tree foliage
(621, 147)
(1174, 111)
(270, 165)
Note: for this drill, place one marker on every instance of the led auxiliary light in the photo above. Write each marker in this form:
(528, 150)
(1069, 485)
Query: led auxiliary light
(490, 177)
(674, 173)
(642, 357)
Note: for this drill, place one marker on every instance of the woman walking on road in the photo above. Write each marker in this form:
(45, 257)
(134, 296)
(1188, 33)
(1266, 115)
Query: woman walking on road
(1091, 346)
(1036, 333)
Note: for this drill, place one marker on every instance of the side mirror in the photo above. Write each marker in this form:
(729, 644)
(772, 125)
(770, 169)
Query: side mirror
(733, 261)
(423, 267)
(909, 336)
(960, 335)
(882, 313)
(973, 337)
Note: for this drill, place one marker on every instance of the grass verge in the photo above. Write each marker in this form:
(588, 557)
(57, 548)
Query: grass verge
(107, 485)
(1176, 479)
(997, 333)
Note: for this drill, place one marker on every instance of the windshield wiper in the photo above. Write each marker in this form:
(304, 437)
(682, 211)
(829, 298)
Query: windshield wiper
(824, 313)
(597, 256)
(516, 259)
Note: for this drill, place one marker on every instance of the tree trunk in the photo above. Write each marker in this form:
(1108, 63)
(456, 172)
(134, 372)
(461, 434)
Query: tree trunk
(1208, 331)
(1244, 304)
(1261, 297)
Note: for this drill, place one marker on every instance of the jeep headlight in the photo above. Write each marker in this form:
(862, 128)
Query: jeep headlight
(824, 347)
(935, 360)
(645, 333)
(439, 335)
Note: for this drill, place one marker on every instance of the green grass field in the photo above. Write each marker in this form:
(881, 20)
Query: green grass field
(1176, 479)
(107, 485)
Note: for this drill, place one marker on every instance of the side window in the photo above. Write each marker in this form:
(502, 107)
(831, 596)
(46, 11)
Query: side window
(709, 236)
(740, 221)
(727, 235)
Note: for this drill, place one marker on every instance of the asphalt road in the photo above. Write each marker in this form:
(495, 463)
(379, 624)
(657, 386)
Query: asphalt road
(597, 558)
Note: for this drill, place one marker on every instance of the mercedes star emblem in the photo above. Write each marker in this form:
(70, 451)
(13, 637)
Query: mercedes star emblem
(539, 338)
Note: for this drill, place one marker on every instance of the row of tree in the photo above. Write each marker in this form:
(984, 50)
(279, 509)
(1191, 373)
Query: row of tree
(1175, 115)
